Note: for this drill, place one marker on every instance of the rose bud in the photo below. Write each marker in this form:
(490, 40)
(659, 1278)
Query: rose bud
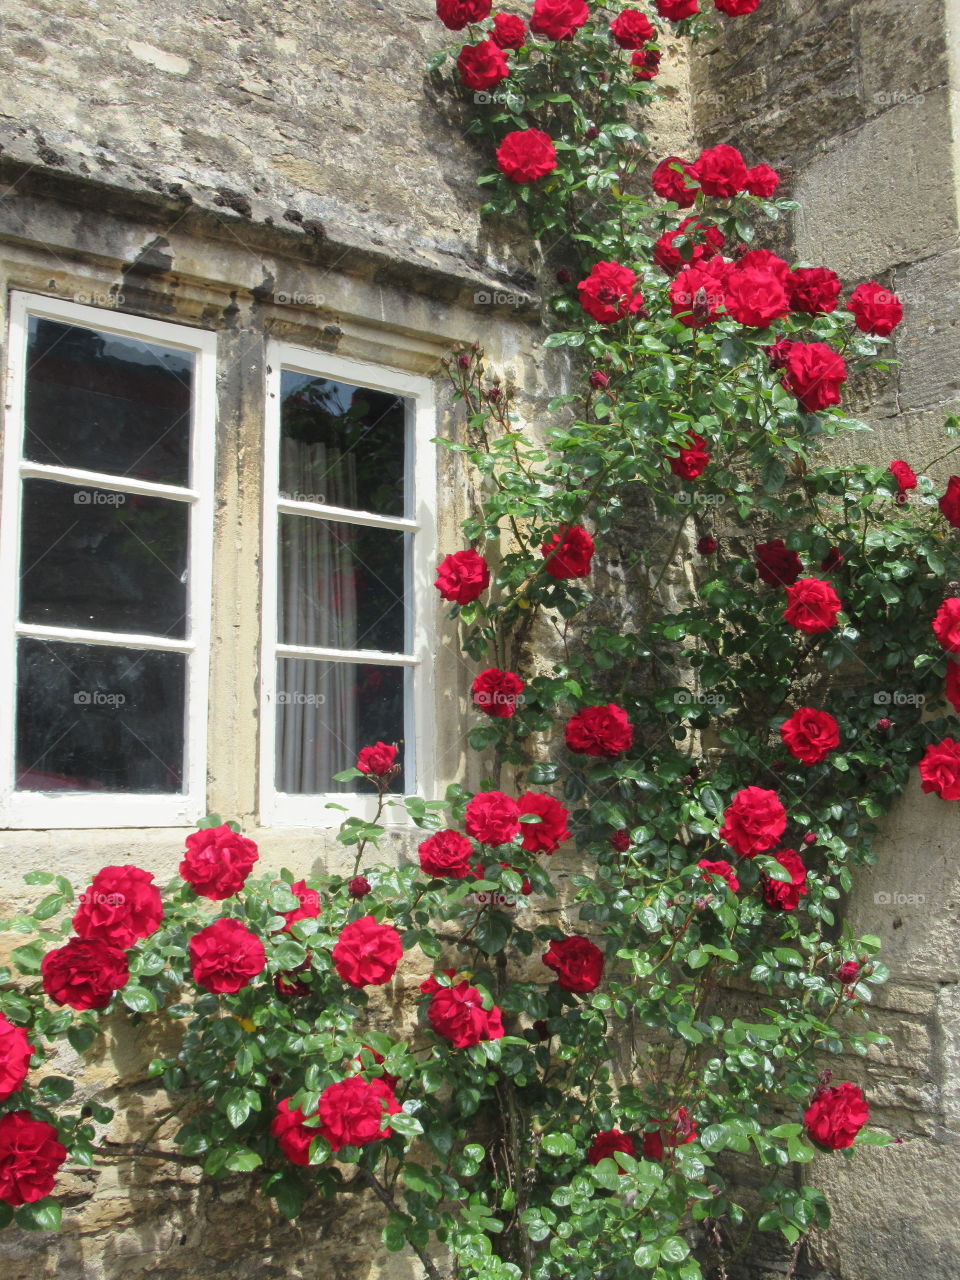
(883, 724)
(694, 771)
(463, 362)
(810, 838)
(848, 972)
(591, 133)
(707, 545)
(541, 1028)
(620, 840)
(494, 394)
(358, 887)
(564, 276)
(599, 380)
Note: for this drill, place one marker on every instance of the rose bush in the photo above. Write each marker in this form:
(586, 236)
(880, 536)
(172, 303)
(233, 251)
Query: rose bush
(713, 753)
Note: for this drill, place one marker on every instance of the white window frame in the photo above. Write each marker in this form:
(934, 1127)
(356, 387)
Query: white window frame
(39, 810)
(279, 809)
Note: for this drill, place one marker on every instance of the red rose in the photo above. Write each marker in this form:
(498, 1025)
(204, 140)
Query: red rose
(697, 293)
(946, 625)
(620, 840)
(675, 183)
(949, 504)
(607, 1142)
(492, 818)
(457, 14)
(875, 310)
(812, 606)
(676, 10)
(457, 1014)
(462, 577)
(776, 564)
(218, 861)
(568, 553)
(446, 855)
(682, 1131)
(764, 260)
(762, 181)
(577, 963)
(952, 688)
(607, 293)
(692, 460)
(721, 869)
(848, 972)
(378, 759)
(482, 66)
(309, 907)
(814, 291)
(940, 769)
(121, 905)
(15, 1054)
(599, 731)
(707, 545)
(353, 1112)
(753, 822)
(835, 1116)
(359, 887)
(526, 155)
(289, 986)
(778, 353)
(367, 954)
(631, 29)
(720, 171)
(905, 477)
(496, 692)
(755, 297)
(551, 831)
(810, 735)
(30, 1155)
(736, 8)
(814, 373)
(700, 244)
(509, 32)
(832, 560)
(599, 380)
(84, 973)
(645, 63)
(558, 19)
(226, 956)
(291, 1133)
(777, 893)
(431, 985)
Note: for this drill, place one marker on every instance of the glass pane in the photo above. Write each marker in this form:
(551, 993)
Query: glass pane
(327, 711)
(342, 585)
(101, 560)
(106, 403)
(95, 718)
(342, 445)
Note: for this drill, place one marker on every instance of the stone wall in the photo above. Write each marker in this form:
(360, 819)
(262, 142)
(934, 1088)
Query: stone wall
(852, 100)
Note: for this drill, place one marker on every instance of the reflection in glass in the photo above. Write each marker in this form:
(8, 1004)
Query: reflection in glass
(107, 403)
(99, 718)
(101, 560)
(342, 585)
(327, 711)
(342, 446)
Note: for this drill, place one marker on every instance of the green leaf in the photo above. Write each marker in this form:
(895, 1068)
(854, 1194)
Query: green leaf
(42, 1215)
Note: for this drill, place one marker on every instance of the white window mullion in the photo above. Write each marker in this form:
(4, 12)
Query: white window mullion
(105, 480)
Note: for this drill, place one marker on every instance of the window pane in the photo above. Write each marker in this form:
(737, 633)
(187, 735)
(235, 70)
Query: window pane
(101, 560)
(107, 403)
(327, 711)
(341, 445)
(342, 585)
(95, 718)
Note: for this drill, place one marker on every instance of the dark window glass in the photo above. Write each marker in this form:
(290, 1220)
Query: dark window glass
(341, 445)
(327, 711)
(102, 402)
(98, 718)
(101, 560)
(342, 585)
